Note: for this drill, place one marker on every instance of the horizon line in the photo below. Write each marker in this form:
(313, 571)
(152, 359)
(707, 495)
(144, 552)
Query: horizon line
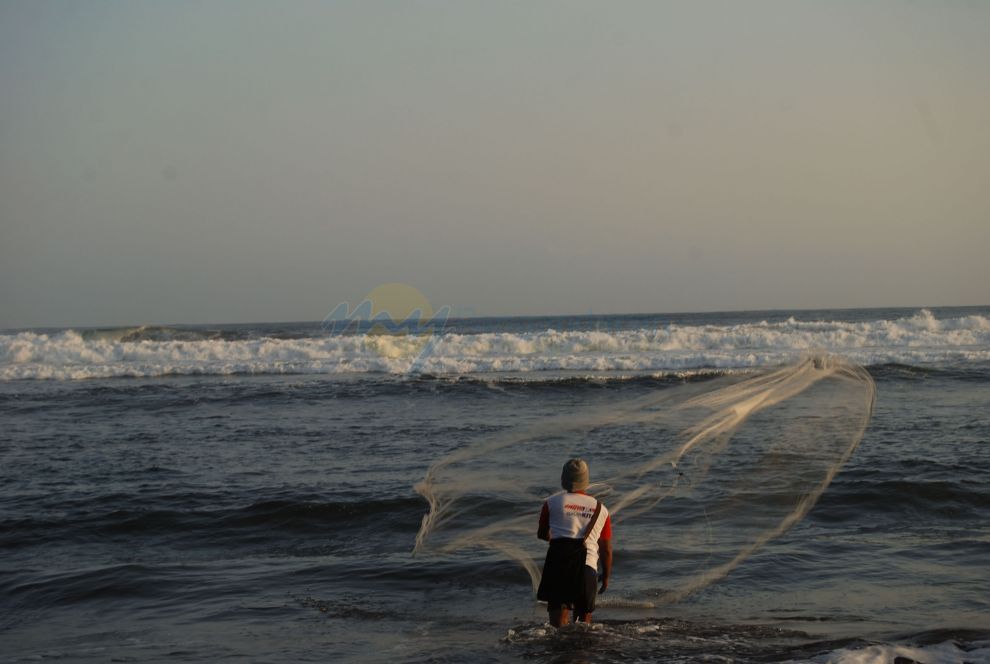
(587, 314)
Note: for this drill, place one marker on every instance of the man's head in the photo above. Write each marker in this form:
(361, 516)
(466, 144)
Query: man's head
(574, 477)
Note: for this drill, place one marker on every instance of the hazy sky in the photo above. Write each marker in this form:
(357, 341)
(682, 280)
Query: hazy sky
(228, 161)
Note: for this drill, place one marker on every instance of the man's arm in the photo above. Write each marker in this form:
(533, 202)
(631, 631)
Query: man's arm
(605, 553)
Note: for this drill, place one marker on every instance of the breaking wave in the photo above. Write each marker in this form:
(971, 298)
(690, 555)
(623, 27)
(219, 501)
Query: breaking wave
(921, 339)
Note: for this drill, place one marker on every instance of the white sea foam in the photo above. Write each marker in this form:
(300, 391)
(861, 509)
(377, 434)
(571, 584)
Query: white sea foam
(921, 339)
(942, 653)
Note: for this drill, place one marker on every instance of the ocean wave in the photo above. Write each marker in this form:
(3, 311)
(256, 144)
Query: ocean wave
(671, 639)
(846, 500)
(918, 340)
(188, 517)
(153, 333)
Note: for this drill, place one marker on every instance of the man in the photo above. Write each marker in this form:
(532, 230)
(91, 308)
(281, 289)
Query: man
(578, 527)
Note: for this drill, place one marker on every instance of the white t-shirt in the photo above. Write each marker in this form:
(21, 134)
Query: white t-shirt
(569, 516)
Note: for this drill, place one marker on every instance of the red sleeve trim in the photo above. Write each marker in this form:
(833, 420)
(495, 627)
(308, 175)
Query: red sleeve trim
(606, 529)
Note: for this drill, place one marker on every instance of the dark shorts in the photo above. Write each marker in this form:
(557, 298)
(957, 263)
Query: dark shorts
(567, 581)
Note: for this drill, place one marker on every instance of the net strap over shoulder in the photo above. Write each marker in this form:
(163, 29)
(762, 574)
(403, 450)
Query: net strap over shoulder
(594, 520)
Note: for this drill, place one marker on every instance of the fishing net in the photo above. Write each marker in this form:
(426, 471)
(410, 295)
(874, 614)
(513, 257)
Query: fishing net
(697, 475)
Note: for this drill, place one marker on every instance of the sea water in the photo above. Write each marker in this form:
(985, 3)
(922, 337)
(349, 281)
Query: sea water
(246, 492)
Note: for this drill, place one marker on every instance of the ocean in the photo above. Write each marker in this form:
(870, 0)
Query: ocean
(198, 493)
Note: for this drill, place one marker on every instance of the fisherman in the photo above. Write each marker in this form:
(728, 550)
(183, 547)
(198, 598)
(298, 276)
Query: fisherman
(578, 527)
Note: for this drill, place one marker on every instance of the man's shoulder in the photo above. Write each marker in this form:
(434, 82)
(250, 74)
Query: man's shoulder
(604, 510)
(563, 497)
(586, 502)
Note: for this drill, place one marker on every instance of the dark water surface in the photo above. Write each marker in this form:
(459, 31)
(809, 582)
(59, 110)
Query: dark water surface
(269, 515)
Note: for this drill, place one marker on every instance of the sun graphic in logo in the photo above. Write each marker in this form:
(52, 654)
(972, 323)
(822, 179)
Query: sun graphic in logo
(398, 314)
(396, 318)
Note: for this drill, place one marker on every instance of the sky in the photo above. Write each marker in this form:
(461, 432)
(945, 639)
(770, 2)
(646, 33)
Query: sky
(243, 161)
